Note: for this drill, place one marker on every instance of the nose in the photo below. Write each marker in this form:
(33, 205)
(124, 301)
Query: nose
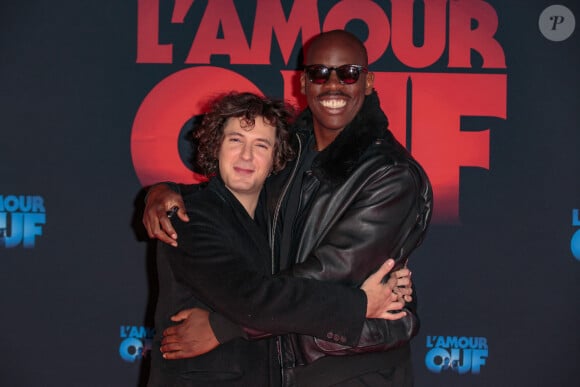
(246, 152)
(333, 80)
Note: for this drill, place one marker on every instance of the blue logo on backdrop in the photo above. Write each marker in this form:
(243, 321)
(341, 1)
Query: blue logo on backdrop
(575, 242)
(461, 354)
(20, 220)
(136, 342)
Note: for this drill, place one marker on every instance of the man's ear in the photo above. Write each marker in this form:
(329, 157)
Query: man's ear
(369, 83)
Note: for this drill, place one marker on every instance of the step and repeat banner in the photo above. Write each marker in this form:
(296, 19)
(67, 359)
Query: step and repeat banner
(97, 100)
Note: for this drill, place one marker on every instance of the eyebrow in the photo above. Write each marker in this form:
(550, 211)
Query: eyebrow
(239, 134)
(265, 141)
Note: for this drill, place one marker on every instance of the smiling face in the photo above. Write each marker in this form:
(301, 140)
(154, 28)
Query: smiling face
(246, 157)
(333, 104)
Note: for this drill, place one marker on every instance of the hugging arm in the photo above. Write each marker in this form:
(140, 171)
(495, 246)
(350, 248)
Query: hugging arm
(162, 198)
(220, 277)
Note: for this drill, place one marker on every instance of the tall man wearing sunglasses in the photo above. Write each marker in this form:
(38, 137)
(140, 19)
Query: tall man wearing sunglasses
(353, 197)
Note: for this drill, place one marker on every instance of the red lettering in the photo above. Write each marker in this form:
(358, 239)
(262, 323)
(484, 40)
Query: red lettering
(221, 17)
(180, 10)
(462, 39)
(439, 101)
(164, 111)
(303, 20)
(433, 35)
(220, 14)
(148, 48)
(369, 12)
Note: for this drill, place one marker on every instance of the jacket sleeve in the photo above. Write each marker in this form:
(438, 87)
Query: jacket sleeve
(185, 189)
(220, 278)
(387, 218)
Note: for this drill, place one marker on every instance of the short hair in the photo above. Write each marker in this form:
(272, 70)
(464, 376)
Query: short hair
(342, 37)
(246, 106)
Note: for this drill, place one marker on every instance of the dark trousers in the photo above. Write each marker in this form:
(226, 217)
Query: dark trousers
(393, 368)
(399, 376)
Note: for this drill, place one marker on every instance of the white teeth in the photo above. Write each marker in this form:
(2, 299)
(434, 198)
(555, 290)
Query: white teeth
(333, 103)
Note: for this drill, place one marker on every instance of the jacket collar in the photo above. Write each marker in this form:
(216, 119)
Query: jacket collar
(336, 161)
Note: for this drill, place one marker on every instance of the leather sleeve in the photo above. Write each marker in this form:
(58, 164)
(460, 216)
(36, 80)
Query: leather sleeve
(185, 189)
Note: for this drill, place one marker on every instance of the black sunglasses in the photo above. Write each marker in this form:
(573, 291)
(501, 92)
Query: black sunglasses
(347, 74)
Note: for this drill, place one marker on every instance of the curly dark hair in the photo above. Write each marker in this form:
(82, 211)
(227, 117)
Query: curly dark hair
(247, 106)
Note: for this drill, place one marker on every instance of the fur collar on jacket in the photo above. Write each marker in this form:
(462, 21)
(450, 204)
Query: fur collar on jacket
(337, 160)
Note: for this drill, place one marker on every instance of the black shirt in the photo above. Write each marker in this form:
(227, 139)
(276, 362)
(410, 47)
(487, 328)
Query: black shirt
(292, 203)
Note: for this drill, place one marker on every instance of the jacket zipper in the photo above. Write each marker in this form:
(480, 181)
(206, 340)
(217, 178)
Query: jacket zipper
(279, 204)
(272, 242)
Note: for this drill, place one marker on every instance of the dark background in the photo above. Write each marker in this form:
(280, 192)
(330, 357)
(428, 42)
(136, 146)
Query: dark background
(69, 91)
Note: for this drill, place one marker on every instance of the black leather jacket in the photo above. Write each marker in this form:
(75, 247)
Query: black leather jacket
(364, 200)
